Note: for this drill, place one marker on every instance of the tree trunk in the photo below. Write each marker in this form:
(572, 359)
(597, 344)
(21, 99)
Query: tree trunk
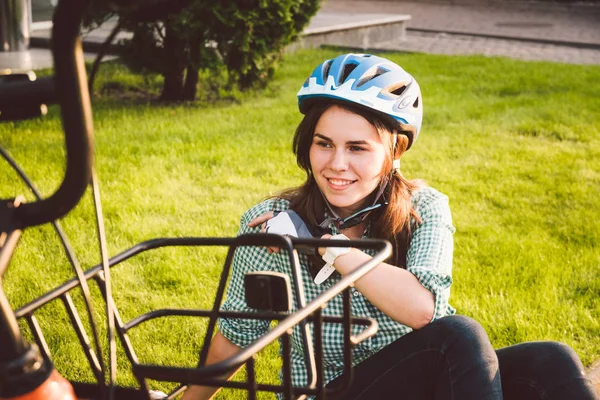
(191, 83)
(175, 70)
(191, 78)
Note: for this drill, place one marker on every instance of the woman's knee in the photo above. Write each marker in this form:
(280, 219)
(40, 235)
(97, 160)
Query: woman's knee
(471, 362)
(555, 354)
(462, 328)
(466, 336)
(551, 369)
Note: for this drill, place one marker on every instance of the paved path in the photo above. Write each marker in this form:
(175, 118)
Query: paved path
(454, 44)
(521, 20)
(523, 30)
(33, 59)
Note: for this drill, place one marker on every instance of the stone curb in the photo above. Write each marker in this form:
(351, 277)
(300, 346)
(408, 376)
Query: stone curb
(582, 6)
(579, 45)
(374, 20)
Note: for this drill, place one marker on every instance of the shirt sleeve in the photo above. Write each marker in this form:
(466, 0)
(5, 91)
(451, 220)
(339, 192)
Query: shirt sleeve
(243, 331)
(429, 256)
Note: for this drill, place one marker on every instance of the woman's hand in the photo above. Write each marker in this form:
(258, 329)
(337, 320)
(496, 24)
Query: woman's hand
(323, 249)
(262, 221)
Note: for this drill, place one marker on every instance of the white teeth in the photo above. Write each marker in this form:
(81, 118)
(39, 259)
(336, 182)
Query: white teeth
(339, 182)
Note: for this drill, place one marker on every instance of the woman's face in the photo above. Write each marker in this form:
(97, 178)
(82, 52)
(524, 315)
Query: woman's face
(347, 156)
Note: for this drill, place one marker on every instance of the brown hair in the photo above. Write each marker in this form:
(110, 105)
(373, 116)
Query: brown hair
(392, 222)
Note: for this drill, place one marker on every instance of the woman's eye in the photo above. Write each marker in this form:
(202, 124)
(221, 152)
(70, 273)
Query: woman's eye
(323, 143)
(357, 148)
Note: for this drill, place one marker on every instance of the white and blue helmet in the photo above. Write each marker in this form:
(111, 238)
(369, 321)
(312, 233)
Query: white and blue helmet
(369, 81)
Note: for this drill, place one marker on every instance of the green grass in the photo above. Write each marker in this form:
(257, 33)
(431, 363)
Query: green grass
(515, 145)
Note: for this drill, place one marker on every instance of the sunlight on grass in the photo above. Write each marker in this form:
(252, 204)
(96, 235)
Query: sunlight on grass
(515, 145)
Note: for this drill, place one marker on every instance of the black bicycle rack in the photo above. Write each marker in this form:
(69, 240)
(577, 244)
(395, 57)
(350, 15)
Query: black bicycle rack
(68, 87)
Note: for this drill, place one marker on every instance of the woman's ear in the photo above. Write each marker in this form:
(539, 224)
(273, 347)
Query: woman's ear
(401, 145)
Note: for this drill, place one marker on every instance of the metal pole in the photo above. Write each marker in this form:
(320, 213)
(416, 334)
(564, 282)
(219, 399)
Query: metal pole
(15, 25)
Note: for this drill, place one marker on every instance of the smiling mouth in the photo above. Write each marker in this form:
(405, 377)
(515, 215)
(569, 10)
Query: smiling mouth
(339, 183)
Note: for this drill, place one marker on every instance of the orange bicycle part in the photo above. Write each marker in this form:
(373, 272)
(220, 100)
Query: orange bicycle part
(54, 388)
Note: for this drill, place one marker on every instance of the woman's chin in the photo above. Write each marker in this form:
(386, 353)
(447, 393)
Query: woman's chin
(343, 208)
(337, 202)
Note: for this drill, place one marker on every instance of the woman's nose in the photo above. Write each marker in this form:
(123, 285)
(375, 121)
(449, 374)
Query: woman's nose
(338, 161)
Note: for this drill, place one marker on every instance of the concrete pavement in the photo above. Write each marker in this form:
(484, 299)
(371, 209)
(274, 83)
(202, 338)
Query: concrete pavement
(578, 26)
(521, 30)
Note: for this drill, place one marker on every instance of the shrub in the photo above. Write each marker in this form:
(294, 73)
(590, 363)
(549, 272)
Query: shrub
(240, 40)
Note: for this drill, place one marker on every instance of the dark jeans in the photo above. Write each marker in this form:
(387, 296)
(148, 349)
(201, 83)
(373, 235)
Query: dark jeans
(452, 358)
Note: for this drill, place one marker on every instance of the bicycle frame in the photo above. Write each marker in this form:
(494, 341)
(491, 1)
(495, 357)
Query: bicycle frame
(69, 88)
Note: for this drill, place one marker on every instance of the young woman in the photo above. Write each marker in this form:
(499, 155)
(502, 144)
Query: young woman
(362, 112)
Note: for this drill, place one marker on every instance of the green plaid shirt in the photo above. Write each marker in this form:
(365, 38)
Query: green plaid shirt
(429, 258)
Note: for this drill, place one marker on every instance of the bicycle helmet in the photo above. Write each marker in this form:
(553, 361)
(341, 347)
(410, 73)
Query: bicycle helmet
(371, 82)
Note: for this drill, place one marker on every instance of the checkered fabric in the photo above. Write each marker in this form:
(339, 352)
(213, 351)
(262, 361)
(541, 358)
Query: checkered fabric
(429, 258)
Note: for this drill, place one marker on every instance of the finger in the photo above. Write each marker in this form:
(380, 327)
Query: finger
(260, 219)
(322, 250)
(273, 250)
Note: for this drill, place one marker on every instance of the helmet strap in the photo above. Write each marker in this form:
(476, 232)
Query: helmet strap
(357, 217)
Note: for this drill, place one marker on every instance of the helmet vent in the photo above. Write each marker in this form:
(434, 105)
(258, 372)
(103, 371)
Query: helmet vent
(416, 103)
(348, 68)
(399, 91)
(367, 78)
(326, 68)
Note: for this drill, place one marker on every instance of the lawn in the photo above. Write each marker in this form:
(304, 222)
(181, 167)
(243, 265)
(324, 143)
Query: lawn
(515, 145)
